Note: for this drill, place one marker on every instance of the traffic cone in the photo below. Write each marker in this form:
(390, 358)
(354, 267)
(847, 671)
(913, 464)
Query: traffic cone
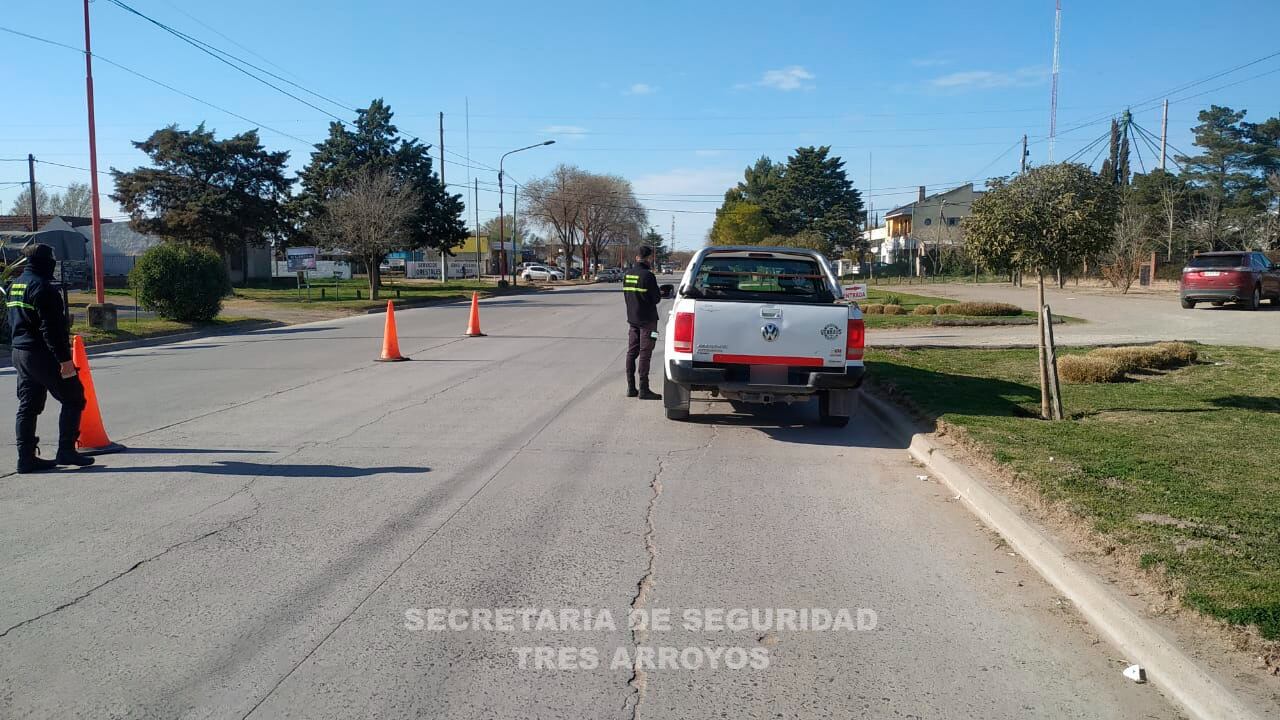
(473, 325)
(93, 438)
(390, 343)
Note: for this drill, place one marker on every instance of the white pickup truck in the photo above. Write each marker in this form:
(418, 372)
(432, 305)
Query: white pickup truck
(763, 325)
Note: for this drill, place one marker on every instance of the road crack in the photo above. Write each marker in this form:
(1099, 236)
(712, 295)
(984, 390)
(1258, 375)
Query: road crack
(76, 600)
(638, 682)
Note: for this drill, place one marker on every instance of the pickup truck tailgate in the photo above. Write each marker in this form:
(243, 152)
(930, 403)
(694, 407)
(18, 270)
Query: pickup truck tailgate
(755, 334)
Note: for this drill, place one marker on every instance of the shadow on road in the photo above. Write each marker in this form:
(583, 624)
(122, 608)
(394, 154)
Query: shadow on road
(193, 451)
(795, 424)
(248, 469)
(293, 330)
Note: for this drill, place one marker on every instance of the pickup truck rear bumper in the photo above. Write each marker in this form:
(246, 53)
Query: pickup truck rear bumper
(684, 373)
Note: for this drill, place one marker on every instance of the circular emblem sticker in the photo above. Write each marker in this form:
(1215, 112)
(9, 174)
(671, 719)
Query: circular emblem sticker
(831, 331)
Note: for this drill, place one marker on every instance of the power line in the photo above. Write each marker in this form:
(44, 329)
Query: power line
(222, 56)
(150, 79)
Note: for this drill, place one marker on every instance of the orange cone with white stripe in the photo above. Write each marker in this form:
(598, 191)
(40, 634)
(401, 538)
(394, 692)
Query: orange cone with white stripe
(473, 324)
(93, 436)
(390, 342)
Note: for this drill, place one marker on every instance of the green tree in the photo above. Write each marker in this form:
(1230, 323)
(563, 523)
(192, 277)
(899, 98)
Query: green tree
(371, 145)
(816, 194)
(1051, 216)
(1227, 167)
(1116, 167)
(742, 223)
(226, 195)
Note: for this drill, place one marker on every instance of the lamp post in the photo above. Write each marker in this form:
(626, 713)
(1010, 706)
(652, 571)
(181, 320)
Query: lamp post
(502, 217)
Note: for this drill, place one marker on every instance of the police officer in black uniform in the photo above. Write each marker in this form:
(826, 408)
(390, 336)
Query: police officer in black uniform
(42, 359)
(640, 290)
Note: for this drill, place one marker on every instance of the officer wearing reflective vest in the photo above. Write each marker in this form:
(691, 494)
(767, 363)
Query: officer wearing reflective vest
(640, 290)
(42, 359)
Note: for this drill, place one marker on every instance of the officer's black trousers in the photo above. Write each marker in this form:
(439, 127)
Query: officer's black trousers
(39, 377)
(640, 342)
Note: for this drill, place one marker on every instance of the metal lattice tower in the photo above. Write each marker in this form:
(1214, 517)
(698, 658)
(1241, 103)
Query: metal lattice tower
(1053, 102)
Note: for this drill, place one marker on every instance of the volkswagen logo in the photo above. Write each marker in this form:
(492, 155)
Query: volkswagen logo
(769, 332)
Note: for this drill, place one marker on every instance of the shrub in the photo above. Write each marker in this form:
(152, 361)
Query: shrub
(1161, 356)
(1090, 369)
(873, 309)
(894, 310)
(893, 300)
(924, 310)
(181, 282)
(948, 309)
(503, 284)
(987, 309)
(1184, 353)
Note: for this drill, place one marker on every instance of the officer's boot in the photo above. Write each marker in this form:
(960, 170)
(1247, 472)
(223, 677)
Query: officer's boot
(631, 386)
(68, 455)
(29, 460)
(645, 393)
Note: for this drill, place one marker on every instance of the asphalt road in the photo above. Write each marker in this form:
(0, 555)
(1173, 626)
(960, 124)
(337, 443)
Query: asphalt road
(1112, 318)
(286, 500)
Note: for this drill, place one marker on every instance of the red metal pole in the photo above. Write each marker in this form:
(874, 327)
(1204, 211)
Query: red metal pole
(93, 163)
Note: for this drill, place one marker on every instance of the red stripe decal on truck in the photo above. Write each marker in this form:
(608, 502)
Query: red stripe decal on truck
(767, 360)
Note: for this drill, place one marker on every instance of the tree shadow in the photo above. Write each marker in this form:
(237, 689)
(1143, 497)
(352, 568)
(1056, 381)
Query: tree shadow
(923, 389)
(293, 330)
(1248, 402)
(283, 470)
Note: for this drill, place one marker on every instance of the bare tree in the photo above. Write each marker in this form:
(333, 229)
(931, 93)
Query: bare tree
(1206, 225)
(610, 215)
(77, 201)
(1122, 262)
(555, 204)
(371, 217)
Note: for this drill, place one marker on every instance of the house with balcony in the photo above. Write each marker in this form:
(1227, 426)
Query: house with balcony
(924, 227)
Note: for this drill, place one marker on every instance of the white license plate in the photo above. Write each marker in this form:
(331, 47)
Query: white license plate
(1211, 273)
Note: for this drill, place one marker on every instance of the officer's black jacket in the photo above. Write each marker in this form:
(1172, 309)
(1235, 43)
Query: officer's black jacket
(36, 316)
(642, 294)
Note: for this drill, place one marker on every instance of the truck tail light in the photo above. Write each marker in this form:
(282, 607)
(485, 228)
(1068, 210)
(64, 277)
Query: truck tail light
(683, 339)
(856, 340)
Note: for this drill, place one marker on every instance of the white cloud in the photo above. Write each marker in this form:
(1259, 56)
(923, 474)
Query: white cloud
(786, 79)
(987, 79)
(570, 132)
(640, 89)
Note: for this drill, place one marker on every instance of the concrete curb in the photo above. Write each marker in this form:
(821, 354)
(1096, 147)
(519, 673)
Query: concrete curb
(1188, 685)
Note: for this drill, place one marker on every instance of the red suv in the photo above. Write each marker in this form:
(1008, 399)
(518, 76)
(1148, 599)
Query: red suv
(1240, 276)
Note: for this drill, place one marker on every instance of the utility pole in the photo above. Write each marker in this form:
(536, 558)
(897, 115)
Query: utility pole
(444, 267)
(1024, 154)
(515, 221)
(31, 173)
(476, 206)
(105, 315)
(1164, 133)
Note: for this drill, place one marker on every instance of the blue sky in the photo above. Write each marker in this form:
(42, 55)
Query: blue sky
(678, 97)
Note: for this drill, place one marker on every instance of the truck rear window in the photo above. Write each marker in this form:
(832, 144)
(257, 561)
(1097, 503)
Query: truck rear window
(1219, 261)
(755, 279)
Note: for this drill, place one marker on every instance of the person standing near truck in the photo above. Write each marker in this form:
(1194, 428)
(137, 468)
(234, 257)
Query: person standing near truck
(641, 293)
(42, 359)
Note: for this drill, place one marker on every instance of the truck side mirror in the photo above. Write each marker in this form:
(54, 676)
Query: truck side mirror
(667, 291)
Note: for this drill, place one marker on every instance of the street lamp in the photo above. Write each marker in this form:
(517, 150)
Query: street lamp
(501, 213)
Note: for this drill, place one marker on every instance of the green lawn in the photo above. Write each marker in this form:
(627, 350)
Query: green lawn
(1182, 467)
(909, 302)
(129, 329)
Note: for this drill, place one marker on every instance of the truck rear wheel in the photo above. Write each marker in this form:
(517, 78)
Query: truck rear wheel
(675, 399)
